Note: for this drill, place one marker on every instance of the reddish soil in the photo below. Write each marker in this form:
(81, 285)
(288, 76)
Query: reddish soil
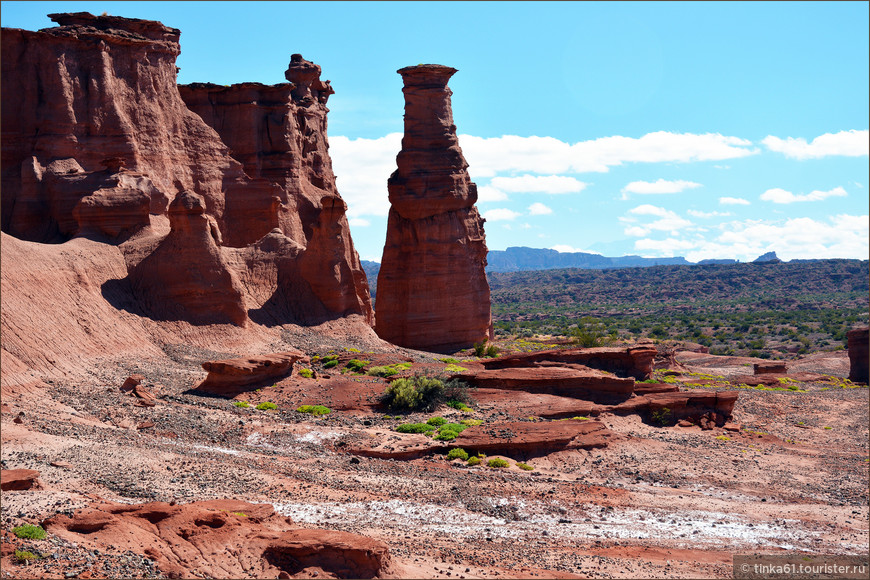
(787, 474)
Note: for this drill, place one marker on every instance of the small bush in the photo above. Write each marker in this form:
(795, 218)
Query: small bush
(479, 348)
(23, 556)
(383, 372)
(661, 417)
(356, 365)
(415, 393)
(267, 406)
(307, 373)
(449, 360)
(453, 369)
(458, 453)
(460, 406)
(29, 531)
(492, 351)
(497, 463)
(471, 422)
(242, 404)
(436, 421)
(415, 428)
(524, 466)
(474, 461)
(315, 410)
(446, 436)
(330, 363)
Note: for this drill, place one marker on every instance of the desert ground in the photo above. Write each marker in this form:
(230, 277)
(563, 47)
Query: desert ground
(788, 473)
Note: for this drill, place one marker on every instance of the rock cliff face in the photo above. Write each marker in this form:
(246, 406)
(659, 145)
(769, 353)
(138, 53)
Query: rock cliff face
(859, 361)
(97, 142)
(432, 289)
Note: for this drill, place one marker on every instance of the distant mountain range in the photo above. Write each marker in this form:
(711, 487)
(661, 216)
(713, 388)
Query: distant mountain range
(522, 259)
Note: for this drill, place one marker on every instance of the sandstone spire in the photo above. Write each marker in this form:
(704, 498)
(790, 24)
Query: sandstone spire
(432, 289)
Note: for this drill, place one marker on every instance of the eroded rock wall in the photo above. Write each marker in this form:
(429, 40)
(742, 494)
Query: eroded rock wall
(432, 289)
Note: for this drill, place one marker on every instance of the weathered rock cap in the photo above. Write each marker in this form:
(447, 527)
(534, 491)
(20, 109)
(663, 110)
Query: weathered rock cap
(132, 28)
(426, 73)
(19, 479)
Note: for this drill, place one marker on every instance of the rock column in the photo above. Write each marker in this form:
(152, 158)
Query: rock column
(859, 360)
(432, 288)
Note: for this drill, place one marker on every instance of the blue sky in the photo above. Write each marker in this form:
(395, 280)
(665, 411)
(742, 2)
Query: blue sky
(706, 130)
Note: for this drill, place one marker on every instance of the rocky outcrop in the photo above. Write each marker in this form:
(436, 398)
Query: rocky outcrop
(19, 479)
(230, 377)
(186, 276)
(533, 439)
(859, 359)
(576, 381)
(278, 133)
(634, 362)
(98, 143)
(767, 368)
(222, 539)
(432, 288)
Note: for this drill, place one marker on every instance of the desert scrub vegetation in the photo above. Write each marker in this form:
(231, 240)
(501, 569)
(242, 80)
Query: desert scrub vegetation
(436, 421)
(457, 453)
(25, 556)
(315, 410)
(460, 406)
(330, 361)
(422, 393)
(485, 349)
(355, 365)
(497, 463)
(661, 417)
(525, 466)
(472, 461)
(449, 431)
(29, 532)
(388, 370)
(424, 428)
(471, 422)
(306, 373)
(242, 404)
(267, 406)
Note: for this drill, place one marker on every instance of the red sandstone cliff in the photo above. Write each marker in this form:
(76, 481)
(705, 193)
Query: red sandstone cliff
(432, 289)
(98, 241)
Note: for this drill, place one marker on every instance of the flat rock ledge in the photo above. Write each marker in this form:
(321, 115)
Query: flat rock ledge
(230, 377)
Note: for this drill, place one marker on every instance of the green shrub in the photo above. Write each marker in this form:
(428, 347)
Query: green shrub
(458, 453)
(492, 351)
(474, 461)
(381, 372)
(436, 421)
(453, 369)
(356, 365)
(524, 466)
(460, 406)
(497, 463)
(446, 436)
(30, 532)
(471, 422)
(330, 363)
(415, 428)
(25, 556)
(307, 373)
(479, 348)
(267, 406)
(315, 410)
(449, 360)
(661, 416)
(402, 366)
(242, 404)
(415, 393)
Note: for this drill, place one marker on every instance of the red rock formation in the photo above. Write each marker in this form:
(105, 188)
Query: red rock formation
(19, 479)
(231, 376)
(533, 439)
(223, 539)
(432, 289)
(97, 142)
(859, 359)
(634, 362)
(767, 368)
(577, 381)
(186, 276)
(278, 132)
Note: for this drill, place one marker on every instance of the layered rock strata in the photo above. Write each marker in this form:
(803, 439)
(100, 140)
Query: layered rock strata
(230, 377)
(98, 143)
(432, 289)
(634, 362)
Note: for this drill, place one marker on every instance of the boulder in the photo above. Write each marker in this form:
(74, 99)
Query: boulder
(634, 362)
(230, 377)
(432, 289)
(533, 439)
(859, 360)
(222, 539)
(19, 479)
(766, 368)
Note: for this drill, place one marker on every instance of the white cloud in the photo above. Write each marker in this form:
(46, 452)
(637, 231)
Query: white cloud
(636, 231)
(707, 214)
(546, 155)
(659, 186)
(362, 167)
(847, 143)
(500, 214)
(778, 195)
(487, 193)
(554, 184)
(647, 209)
(668, 221)
(358, 221)
(565, 249)
(733, 201)
(538, 208)
(667, 248)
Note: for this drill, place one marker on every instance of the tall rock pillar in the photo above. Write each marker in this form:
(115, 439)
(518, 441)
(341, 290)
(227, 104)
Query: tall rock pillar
(432, 288)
